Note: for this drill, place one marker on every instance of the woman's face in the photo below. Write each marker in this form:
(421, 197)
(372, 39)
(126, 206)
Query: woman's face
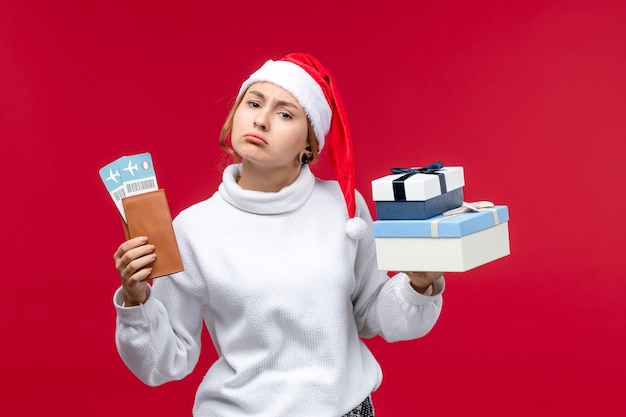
(269, 127)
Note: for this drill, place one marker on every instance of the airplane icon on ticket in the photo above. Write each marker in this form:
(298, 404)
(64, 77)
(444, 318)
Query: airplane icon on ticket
(112, 176)
(130, 168)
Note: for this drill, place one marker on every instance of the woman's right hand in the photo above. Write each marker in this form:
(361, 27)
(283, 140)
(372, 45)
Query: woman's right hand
(131, 261)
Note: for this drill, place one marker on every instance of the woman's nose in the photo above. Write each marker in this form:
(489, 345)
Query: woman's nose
(260, 121)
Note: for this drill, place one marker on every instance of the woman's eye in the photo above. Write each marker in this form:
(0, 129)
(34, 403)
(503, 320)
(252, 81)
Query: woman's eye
(254, 104)
(285, 115)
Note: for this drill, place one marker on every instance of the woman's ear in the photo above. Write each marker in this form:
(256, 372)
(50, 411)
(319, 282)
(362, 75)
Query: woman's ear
(306, 156)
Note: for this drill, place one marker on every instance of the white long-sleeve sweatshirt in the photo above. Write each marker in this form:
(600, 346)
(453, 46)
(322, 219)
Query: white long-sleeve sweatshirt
(285, 295)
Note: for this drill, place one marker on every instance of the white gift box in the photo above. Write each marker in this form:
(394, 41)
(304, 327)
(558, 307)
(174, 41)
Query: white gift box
(418, 187)
(443, 254)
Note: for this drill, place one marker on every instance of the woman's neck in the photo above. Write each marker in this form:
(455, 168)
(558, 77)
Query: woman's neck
(266, 179)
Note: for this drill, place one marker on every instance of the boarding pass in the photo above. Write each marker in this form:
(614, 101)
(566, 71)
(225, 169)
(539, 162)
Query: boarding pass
(129, 175)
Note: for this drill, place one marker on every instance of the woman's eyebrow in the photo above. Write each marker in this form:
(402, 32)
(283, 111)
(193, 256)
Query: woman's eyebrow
(286, 104)
(278, 102)
(257, 93)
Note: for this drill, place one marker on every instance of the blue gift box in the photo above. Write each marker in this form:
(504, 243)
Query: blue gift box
(455, 243)
(443, 226)
(419, 210)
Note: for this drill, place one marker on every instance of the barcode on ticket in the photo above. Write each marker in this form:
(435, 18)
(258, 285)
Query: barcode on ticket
(140, 186)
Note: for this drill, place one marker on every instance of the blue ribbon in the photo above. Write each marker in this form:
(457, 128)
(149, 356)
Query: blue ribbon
(399, 193)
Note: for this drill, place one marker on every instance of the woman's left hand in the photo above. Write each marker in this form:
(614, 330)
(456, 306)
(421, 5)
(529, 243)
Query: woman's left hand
(420, 281)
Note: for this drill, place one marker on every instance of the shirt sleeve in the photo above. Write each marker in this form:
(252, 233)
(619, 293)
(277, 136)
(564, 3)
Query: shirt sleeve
(385, 306)
(160, 340)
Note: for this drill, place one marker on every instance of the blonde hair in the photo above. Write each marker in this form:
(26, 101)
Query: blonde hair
(228, 127)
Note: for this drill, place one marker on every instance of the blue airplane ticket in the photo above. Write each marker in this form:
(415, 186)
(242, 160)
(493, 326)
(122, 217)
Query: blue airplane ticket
(137, 174)
(129, 175)
(112, 179)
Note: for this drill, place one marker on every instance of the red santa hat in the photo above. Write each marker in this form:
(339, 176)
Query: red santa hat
(313, 86)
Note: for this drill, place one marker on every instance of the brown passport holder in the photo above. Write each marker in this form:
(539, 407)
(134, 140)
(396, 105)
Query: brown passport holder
(148, 214)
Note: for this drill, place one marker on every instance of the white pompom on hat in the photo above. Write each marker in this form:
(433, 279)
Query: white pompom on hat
(313, 86)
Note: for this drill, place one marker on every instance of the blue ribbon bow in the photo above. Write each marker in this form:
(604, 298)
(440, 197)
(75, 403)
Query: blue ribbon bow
(399, 193)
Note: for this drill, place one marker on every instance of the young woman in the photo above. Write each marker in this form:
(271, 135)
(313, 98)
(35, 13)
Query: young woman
(279, 265)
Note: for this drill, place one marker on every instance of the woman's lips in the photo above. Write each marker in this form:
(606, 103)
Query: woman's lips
(254, 138)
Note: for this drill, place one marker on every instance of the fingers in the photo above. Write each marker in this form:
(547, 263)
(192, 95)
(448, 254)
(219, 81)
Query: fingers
(129, 244)
(420, 281)
(132, 258)
(132, 261)
(138, 269)
(426, 276)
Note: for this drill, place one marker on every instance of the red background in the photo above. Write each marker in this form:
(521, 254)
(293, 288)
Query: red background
(529, 97)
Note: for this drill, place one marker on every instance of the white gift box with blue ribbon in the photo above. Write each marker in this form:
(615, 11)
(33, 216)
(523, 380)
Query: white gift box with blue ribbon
(418, 193)
(455, 243)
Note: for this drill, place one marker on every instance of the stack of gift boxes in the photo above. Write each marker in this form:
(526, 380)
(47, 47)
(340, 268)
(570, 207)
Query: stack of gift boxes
(413, 234)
